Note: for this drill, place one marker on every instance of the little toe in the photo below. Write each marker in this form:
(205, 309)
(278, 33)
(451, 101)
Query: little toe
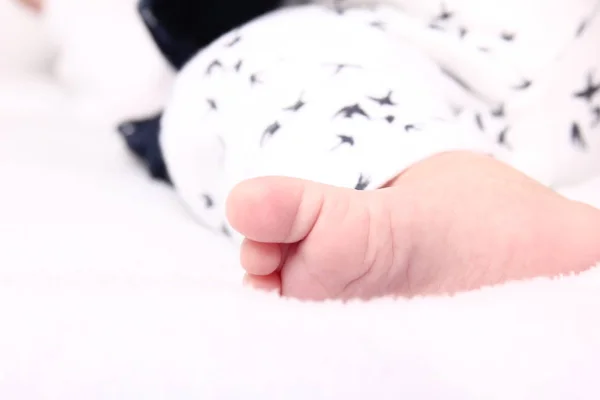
(259, 258)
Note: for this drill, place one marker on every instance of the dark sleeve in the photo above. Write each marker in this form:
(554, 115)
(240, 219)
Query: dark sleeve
(182, 27)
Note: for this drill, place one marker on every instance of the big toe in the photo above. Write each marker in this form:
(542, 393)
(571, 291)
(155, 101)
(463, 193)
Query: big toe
(275, 209)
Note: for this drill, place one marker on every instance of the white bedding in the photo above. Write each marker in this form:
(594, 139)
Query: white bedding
(109, 291)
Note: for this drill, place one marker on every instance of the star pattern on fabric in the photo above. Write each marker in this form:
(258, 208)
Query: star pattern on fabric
(363, 183)
(590, 91)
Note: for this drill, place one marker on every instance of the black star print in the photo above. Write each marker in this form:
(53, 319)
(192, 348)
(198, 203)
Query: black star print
(212, 104)
(254, 79)
(459, 81)
(363, 183)
(581, 28)
(498, 112)
(525, 84)
(577, 136)
(590, 91)
(296, 106)
(234, 41)
(390, 119)
(462, 32)
(238, 66)
(507, 36)
(456, 110)
(208, 201)
(349, 140)
(435, 27)
(585, 24)
(444, 15)
(341, 67)
(409, 128)
(269, 132)
(212, 66)
(384, 101)
(479, 122)
(225, 231)
(502, 137)
(351, 111)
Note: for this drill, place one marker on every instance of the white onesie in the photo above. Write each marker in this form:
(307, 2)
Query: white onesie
(352, 96)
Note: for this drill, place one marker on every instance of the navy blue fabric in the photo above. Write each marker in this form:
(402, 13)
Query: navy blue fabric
(176, 46)
(180, 29)
(142, 138)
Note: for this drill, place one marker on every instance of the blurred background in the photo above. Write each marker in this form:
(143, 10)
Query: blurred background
(75, 205)
(94, 57)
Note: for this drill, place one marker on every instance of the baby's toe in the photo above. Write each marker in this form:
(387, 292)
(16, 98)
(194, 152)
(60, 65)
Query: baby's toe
(275, 210)
(259, 258)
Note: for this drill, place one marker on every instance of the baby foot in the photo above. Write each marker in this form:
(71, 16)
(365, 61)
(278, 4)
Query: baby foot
(455, 222)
